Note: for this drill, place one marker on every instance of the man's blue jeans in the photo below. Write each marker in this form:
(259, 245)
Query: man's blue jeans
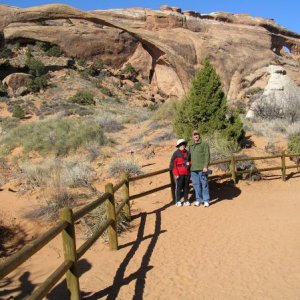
(200, 184)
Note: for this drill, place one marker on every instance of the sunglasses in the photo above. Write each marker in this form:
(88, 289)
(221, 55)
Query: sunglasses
(195, 134)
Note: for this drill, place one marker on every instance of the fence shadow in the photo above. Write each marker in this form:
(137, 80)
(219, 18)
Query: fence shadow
(140, 275)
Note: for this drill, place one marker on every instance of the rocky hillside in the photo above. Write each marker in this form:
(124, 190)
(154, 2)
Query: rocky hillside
(165, 46)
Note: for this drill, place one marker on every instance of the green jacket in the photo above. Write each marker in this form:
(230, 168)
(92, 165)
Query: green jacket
(200, 155)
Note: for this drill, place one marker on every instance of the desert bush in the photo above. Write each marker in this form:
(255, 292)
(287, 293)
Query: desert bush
(293, 128)
(130, 71)
(5, 53)
(8, 123)
(18, 112)
(221, 148)
(54, 51)
(249, 165)
(36, 67)
(83, 98)
(3, 88)
(165, 136)
(108, 122)
(294, 143)
(153, 106)
(122, 165)
(81, 62)
(71, 173)
(94, 219)
(93, 151)
(38, 83)
(104, 90)
(138, 86)
(59, 137)
(267, 110)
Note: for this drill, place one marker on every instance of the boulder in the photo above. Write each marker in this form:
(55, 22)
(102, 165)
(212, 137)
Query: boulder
(16, 83)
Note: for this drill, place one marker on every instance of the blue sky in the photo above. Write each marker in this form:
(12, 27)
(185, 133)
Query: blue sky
(285, 12)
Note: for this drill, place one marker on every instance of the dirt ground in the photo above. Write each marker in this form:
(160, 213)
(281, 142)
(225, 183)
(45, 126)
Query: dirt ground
(244, 246)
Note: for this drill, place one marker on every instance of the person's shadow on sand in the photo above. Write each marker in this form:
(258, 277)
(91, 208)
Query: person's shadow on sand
(220, 191)
(60, 291)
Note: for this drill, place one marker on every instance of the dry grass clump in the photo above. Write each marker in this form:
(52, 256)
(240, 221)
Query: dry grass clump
(167, 110)
(109, 122)
(94, 219)
(221, 148)
(56, 178)
(122, 165)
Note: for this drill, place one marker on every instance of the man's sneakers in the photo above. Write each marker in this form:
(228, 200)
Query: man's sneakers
(197, 203)
(186, 203)
(178, 204)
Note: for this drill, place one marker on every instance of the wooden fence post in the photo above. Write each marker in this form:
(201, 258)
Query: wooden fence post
(172, 185)
(111, 214)
(232, 168)
(283, 170)
(69, 246)
(126, 197)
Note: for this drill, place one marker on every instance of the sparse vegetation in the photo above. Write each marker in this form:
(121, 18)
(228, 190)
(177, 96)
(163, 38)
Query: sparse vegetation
(120, 166)
(108, 122)
(138, 86)
(167, 110)
(54, 51)
(130, 71)
(59, 137)
(83, 98)
(38, 83)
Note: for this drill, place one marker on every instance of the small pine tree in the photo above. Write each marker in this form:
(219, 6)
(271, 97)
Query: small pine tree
(205, 108)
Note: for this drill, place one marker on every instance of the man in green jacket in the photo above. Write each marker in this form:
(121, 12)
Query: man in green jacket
(200, 158)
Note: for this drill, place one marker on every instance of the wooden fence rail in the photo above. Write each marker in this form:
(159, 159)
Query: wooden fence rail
(68, 218)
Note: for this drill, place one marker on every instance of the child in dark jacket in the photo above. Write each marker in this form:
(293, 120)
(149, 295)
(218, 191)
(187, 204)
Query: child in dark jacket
(180, 166)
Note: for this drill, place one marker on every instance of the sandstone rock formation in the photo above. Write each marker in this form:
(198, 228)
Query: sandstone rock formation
(166, 46)
(281, 92)
(16, 83)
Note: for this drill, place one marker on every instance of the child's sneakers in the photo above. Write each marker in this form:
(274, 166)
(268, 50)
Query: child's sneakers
(197, 203)
(186, 203)
(178, 204)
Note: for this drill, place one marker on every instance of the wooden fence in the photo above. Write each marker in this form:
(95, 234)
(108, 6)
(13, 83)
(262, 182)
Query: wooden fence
(66, 227)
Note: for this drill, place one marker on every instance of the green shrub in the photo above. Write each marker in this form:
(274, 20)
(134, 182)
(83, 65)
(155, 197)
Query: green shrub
(81, 62)
(54, 51)
(36, 67)
(83, 98)
(18, 112)
(3, 88)
(205, 108)
(37, 83)
(138, 86)
(104, 90)
(59, 137)
(5, 53)
(294, 143)
(131, 71)
(42, 45)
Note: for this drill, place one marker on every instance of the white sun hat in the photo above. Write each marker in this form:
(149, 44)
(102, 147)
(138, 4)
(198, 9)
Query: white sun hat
(180, 142)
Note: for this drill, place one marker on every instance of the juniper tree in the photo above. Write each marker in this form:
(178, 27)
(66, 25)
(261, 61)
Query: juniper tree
(205, 108)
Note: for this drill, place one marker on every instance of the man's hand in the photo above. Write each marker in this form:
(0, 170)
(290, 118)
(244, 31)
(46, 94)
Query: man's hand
(176, 177)
(204, 170)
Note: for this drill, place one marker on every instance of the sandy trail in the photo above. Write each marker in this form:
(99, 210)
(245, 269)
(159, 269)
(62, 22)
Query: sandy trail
(246, 245)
